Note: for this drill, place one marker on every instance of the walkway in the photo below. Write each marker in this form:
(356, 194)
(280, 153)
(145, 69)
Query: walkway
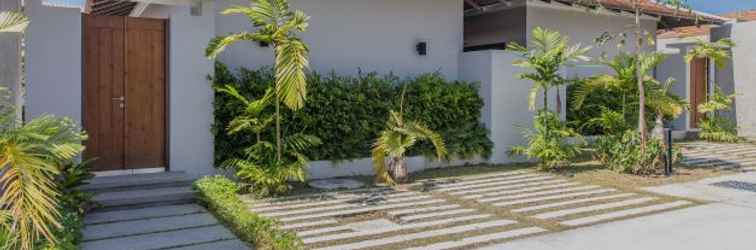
(152, 211)
(458, 213)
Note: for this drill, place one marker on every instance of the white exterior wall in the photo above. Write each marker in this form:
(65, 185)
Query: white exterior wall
(55, 82)
(740, 75)
(505, 112)
(10, 60)
(369, 35)
(190, 94)
(53, 69)
(583, 27)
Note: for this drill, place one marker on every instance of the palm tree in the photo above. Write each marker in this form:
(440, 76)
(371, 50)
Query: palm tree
(275, 24)
(394, 142)
(548, 53)
(623, 83)
(718, 52)
(31, 156)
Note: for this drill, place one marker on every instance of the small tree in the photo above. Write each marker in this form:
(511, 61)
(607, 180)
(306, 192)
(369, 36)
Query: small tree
(277, 25)
(715, 127)
(548, 54)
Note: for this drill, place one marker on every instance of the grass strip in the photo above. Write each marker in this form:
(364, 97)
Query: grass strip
(219, 195)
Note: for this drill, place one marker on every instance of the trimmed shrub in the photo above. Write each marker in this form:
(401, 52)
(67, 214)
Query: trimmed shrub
(219, 194)
(348, 112)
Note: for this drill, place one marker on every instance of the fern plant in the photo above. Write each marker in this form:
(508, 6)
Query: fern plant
(715, 127)
(548, 142)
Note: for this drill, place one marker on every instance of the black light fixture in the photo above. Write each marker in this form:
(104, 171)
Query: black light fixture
(422, 48)
(263, 44)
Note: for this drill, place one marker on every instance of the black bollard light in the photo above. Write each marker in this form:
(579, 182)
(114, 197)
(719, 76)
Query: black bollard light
(668, 160)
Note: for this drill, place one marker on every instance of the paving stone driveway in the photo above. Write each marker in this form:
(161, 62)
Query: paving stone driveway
(464, 213)
(720, 155)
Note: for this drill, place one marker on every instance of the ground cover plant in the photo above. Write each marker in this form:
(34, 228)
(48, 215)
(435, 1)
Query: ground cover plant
(219, 194)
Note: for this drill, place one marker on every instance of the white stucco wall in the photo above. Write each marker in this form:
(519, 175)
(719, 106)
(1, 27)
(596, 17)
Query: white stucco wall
(505, 112)
(677, 68)
(583, 26)
(10, 59)
(741, 75)
(190, 93)
(348, 35)
(53, 69)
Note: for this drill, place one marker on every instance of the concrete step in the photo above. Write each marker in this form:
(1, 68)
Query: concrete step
(143, 198)
(138, 181)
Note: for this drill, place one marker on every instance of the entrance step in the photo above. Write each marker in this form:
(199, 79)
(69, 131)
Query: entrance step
(142, 181)
(114, 193)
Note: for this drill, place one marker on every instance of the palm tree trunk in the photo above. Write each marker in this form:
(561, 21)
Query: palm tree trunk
(278, 129)
(398, 168)
(639, 76)
(545, 98)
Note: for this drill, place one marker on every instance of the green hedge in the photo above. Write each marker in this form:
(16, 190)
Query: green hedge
(219, 194)
(348, 112)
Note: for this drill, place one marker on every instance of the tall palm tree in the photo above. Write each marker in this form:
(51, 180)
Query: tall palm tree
(274, 23)
(546, 55)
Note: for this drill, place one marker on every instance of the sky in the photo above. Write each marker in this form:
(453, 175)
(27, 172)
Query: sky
(722, 6)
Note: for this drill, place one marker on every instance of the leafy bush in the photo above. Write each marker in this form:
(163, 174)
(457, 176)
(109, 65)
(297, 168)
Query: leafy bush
(348, 112)
(622, 153)
(220, 196)
(548, 143)
(715, 127)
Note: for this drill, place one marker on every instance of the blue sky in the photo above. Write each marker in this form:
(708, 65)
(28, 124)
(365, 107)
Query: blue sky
(722, 6)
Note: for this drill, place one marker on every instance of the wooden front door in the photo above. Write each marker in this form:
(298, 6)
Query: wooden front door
(699, 79)
(124, 99)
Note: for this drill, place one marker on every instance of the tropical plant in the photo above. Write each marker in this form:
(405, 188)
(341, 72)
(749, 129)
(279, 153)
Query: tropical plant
(278, 26)
(259, 163)
(622, 90)
(72, 177)
(718, 52)
(715, 127)
(390, 149)
(623, 153)
(31, 156)
(642, 38)
(450, 108)
(547, 54)
(268, 175)
(548, 141)
(13, 22)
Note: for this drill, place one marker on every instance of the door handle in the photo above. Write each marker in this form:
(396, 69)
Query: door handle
(120, 100)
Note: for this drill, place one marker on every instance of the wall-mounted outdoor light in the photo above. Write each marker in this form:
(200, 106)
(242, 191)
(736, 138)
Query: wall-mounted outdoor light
(263, 44)
(422, 48)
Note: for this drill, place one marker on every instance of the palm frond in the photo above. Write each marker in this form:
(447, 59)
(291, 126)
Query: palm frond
(218, 44)
(13, 22)
(291, 63)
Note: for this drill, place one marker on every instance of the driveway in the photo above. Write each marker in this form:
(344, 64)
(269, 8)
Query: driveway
(727, 223)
